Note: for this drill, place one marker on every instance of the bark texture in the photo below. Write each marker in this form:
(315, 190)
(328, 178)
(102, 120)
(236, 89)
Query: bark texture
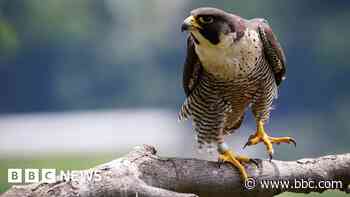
(142, 173)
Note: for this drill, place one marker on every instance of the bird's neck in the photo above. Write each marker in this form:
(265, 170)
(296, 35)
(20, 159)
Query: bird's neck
(231, 59)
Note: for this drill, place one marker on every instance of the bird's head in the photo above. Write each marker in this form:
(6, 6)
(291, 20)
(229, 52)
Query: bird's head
(210, 26)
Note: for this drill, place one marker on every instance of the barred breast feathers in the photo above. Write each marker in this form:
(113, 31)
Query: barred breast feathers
(218, 105)
(207, 108)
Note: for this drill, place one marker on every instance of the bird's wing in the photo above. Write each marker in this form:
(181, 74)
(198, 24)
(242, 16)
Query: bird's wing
(272, 50)
(192, 68)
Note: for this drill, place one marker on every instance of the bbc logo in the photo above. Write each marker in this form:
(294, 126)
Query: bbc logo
(15, 175)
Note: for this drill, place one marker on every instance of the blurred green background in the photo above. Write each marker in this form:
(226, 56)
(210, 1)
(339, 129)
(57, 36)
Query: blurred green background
(83, 81)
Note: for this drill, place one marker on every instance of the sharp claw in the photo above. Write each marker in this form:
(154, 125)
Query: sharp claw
(293, 141)
(220, 162)
(270, 157)
(246, 144)
(254, 161)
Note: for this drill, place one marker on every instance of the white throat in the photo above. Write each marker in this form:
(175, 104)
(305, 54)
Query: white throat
(229, 59)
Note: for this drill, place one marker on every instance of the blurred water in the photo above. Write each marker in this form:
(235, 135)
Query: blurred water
(108, 131)
(99, 131)
(119, 130)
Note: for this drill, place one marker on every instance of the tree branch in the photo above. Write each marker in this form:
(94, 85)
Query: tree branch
(143, 173)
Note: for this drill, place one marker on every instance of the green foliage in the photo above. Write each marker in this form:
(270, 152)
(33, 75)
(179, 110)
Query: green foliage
(8, 39)
(130, 53)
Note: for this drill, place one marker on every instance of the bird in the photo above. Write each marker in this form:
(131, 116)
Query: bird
(231, 64)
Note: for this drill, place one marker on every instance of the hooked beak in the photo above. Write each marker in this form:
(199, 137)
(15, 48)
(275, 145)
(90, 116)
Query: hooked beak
(189, 24)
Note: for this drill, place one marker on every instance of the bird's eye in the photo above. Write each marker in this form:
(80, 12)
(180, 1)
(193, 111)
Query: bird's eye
(206, 19)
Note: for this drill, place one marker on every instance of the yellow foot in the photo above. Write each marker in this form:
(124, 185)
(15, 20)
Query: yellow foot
(236, 161)
(261, 136)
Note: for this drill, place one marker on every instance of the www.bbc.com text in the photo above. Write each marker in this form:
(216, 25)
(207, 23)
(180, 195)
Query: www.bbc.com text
(251, 183)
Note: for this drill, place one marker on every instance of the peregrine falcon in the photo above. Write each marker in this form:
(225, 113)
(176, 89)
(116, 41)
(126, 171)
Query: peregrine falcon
(231, 64)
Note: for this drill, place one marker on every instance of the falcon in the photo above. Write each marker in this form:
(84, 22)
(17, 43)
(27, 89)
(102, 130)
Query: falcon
(231, 64)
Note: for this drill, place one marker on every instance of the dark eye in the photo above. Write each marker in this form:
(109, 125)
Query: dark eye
(206, 19)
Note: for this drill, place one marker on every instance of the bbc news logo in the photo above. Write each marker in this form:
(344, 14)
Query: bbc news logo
(48, 175)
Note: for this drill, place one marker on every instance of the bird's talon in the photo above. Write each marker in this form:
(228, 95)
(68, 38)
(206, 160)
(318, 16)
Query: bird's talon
(246, 144)
(261, 136)
(236, 161)
(270, 157)
(220, 162)
(293, 142)
(254, 161)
